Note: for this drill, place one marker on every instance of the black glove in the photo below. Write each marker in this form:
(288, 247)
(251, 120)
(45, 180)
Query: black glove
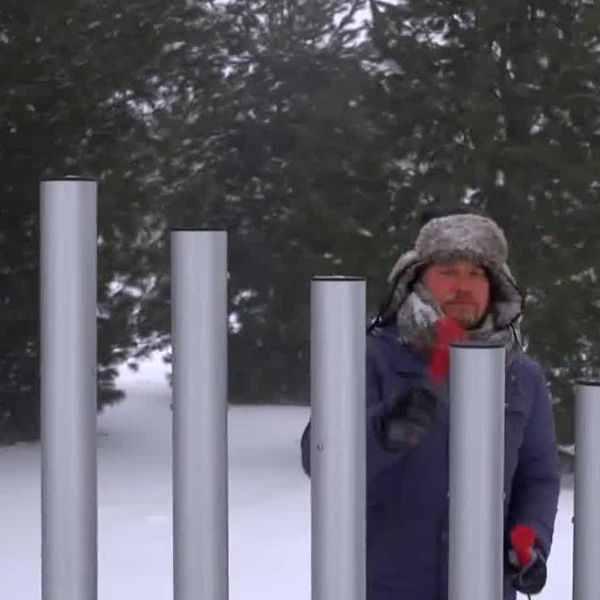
(408, 420)
(528, 578)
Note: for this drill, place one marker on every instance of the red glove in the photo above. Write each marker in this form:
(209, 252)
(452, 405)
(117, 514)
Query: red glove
(447, 331)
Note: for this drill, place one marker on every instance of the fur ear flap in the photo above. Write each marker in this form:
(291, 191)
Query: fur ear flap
(406, 260)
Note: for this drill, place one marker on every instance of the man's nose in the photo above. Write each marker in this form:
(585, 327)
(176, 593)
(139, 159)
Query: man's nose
(462, 283)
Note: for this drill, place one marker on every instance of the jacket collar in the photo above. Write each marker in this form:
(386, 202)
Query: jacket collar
(402, 358)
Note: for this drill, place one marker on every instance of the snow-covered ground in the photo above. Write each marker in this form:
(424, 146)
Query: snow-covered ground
(269, 511)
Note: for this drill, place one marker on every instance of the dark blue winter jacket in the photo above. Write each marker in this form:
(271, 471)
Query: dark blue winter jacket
(407, 494)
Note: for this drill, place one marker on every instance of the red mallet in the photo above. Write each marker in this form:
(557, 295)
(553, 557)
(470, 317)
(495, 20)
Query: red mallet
(522, 538)
(447, 331)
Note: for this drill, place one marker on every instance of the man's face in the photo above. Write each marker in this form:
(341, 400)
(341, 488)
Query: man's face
(461, 288)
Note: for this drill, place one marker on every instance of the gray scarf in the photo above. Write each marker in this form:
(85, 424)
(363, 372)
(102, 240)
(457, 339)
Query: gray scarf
(419, 313)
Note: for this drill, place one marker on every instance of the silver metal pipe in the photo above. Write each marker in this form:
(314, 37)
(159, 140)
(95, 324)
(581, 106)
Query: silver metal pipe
(586, 546)
(199, 338)
(68, 238)
(338, 438)
(477, 397)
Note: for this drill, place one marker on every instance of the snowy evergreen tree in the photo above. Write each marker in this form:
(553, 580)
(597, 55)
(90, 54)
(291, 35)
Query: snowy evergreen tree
(498, 104)
(83, 84)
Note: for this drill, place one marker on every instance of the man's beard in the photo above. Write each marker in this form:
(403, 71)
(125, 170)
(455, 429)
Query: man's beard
(468, 316)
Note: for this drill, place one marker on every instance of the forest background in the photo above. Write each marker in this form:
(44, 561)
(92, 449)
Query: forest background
(316, 132)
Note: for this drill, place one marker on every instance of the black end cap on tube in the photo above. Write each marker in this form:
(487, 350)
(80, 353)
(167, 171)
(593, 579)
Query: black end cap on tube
(589, 381)
(473, 344)
(337, 278)
(199, 229)
(68, 178)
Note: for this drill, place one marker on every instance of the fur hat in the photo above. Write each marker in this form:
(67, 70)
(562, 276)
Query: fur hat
(467, 237)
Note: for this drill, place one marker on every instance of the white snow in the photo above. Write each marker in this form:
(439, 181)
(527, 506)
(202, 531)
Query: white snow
(269, 511)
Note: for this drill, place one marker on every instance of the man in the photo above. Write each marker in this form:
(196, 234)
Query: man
(454, 284)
